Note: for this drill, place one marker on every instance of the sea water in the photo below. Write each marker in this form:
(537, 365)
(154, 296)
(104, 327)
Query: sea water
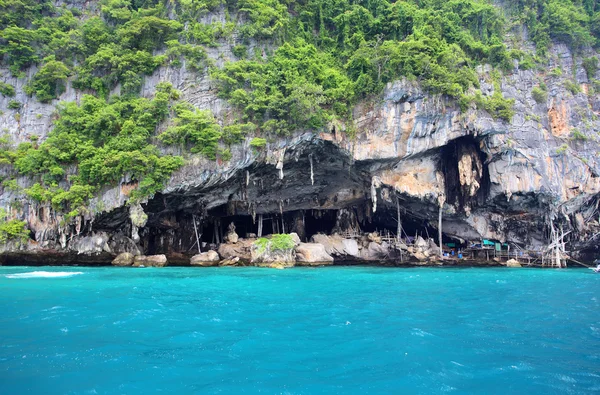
(298, 331)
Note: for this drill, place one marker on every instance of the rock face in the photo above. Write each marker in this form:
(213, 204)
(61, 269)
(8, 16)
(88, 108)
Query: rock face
(209, 258)
(150, 260)
(312, 254)
(240, 250)
(338, 246)
(375, 252)
(123, 259)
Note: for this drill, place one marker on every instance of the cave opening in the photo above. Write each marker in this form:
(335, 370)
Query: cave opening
(466, 173)
(305, 223)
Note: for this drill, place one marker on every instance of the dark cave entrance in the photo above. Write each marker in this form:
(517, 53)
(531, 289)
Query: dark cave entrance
(304, 222)
(466, 174)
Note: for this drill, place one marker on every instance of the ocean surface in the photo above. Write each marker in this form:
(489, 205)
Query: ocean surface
(340, 330)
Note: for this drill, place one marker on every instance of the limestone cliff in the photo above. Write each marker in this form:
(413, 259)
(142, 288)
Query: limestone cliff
(494, 179)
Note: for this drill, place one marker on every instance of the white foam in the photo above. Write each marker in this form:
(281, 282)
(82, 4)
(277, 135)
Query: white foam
(43, 274)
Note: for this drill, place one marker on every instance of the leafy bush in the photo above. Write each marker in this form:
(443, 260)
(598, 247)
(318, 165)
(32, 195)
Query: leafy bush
(195, 128)
(240, 51)
(539, 94)
(556, 72)
(49, 82)
(14, 105)
(282, 242)
(13, 229)
(577, 135)
(572, 87)
(7, 89)
(591, 66)
(496, 105)
(258, 143)
(277, 242)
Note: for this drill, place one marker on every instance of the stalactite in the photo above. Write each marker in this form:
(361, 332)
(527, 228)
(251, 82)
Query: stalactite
(312, 174)
(260, 225)
(375, 183)
(441, 201)
(247, 177)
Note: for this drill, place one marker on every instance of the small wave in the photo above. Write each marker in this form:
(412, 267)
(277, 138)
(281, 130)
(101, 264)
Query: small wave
(420, 332)
(566, 379)
(43, 274)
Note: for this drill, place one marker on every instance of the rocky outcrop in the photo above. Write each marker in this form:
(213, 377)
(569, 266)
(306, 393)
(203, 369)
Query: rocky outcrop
(312, 254)
(513, 263)
(123, 259)
(231, 237)
(336, 245)
(240, 250)
(150, 261)
(266, 254)
(209, 258)
(235, 261)
(375, 251)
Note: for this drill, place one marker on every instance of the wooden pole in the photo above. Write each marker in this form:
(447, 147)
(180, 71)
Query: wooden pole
(196, 231)
(440, 229)
(399, 228)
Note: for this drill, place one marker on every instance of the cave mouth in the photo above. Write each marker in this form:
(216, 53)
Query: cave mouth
(178, 233)
(466, 173)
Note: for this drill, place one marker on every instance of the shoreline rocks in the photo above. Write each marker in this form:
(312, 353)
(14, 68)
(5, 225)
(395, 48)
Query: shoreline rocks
(312, 254)
(209, 258)
(150, 260)
(123, 259)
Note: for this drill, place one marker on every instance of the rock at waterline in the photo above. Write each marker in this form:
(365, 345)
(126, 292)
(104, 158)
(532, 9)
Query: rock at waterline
(241, 249)
(150, 260)
(513, 263)
(312, 254)
(123, 259)
(230, 262)
(209, 258)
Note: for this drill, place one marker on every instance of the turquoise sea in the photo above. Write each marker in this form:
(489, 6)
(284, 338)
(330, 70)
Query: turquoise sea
(299, 331)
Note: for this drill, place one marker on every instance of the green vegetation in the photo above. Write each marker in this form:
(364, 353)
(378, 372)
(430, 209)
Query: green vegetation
(277, 242)
(556, 72)
(258, 143)
(540, 94)
(573, 22)
(591, 66)
(577, 135)
(7, 90)
(13, 229)
(49, 82)
(311, 62)
(14, 105)
(193, 128)
(572, 87)
(106, 140)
